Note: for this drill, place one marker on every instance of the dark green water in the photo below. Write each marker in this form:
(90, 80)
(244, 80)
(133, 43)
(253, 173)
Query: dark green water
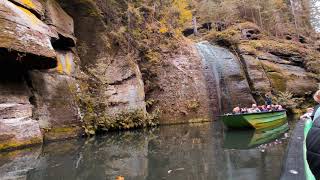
(179, 152)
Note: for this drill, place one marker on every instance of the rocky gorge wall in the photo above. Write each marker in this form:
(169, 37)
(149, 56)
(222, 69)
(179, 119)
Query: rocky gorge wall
(64, 74)
(273, 65)
(38, 65)
(62, 71)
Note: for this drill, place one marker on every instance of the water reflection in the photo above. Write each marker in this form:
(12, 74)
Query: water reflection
(185, 152)
(246, 139)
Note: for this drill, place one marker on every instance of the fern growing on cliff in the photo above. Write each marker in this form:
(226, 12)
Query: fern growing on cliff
(287, 100)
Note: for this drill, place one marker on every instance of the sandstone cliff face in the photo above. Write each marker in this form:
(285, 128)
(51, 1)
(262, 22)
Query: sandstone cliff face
(35, 100)
(62, 67)
(49, 74)
(118, 74)
(182, 95)
(115, 73)
(280, 66)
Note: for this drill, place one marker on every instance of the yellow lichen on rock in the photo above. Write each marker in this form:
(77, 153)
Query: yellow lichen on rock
(30, 16)
(29, 3)
(59, 67)
(65, 62)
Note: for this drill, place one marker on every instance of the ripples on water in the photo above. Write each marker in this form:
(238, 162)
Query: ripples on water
(179, 152)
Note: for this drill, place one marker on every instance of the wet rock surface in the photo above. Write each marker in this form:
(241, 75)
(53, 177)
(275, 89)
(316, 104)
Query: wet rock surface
(17, 164)
(231, 83)
(183, 89)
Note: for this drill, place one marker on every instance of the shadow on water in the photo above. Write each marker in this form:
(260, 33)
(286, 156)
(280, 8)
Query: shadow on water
(186, 152)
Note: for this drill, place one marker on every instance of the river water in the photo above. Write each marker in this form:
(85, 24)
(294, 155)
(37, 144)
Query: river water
(179, 152)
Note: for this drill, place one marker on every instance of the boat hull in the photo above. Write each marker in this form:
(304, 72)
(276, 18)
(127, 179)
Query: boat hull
(255, 120)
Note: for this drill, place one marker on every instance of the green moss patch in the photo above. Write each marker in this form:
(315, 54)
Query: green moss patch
(58, 133)
(122, 121)
(14, 144)
(228, 37)
(278, 82)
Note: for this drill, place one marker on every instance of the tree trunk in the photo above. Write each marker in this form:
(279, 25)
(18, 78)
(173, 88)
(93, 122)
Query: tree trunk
(260, 16)
(195, 26)
(294, 17)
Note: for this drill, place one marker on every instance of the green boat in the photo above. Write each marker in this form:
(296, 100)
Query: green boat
(259, 120)
(240, 139)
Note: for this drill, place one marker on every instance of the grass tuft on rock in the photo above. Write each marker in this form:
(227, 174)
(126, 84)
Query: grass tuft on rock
(123, 121)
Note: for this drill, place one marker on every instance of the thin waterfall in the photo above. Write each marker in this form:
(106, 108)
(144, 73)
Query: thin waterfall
(226, 79)
(212, 76)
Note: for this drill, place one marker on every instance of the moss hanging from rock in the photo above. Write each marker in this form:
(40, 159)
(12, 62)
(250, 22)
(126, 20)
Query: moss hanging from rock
(123, 121)
(97, 120)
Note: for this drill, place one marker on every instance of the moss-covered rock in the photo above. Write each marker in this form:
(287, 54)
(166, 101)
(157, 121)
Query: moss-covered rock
(123, 121)
(290, 78)
(19, 132)
(278, 82)
(58, 133)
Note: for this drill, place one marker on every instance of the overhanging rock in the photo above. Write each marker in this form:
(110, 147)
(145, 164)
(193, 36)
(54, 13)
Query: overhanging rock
(24, 37)
(36, 6)
(62, 23)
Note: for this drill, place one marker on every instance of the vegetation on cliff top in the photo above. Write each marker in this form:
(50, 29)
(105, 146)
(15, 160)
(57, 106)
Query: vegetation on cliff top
(276, 17)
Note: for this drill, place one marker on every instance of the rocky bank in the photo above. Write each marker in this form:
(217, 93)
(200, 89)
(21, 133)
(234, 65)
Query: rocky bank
(64, 75)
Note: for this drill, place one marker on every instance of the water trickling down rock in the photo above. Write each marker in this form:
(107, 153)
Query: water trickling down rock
(226, 79)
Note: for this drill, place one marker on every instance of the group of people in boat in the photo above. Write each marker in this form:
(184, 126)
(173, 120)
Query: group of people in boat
(255, 109)
(268, 107)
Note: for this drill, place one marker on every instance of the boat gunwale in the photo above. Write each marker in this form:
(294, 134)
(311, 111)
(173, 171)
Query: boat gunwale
(244, 114)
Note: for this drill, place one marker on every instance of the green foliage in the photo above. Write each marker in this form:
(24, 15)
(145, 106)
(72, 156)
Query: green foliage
(287, 100)
(96, 119)
(193, 105)
(150, 103)
(228, 37)
(276, 17)
(121, 121)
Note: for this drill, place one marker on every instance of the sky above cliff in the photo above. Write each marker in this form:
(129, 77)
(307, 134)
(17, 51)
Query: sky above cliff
(315, 12)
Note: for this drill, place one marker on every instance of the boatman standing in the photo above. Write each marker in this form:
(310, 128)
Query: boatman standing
(268, 100)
